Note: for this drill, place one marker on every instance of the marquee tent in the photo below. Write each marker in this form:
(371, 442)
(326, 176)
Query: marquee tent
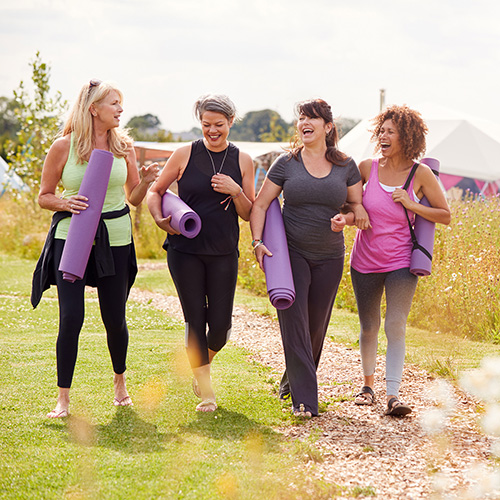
(468, 148)
(9, 180)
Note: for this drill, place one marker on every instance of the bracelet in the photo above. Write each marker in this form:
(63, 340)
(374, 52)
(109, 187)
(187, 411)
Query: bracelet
(236, 195)
(256, 241)
(258, 245)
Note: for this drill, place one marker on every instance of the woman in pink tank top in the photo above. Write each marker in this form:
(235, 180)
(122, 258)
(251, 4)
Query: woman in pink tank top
(381, 254)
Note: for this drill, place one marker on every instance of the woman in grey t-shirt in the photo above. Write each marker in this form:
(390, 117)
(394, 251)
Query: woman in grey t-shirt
(316, 180)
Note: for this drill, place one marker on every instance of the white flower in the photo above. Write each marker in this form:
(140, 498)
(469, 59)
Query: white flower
(485, 482)
(495, 448)
(440, 393)
(484, 382)
(441, 482)
(433, 420)
(491, 420)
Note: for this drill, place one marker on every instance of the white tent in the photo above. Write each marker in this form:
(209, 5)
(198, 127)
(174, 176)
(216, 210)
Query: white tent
(10, 180)
(468, 148)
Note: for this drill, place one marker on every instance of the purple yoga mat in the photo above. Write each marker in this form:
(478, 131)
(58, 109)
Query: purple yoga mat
(184, 220)
(420, 264)
(279, 279)
(83, 226)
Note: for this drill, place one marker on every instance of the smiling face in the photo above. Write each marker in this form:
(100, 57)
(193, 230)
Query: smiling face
(215, 127)
(388, 139)
(312, 130)
(108, 111)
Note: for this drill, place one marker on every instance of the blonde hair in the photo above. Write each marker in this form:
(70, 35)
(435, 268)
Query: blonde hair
(80, 122)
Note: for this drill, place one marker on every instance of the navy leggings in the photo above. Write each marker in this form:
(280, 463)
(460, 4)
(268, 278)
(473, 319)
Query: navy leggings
(304, 324)
(112, 292)
(205, 285)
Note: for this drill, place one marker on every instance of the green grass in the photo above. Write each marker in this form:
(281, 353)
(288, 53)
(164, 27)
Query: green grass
(160, 448)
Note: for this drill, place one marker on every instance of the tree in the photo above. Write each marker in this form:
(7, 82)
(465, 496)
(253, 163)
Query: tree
(39, 121)
(265, 125)
(147, 128)
(9, 125)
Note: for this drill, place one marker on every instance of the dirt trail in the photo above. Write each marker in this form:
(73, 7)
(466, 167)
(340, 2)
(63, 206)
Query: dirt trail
(360, 446)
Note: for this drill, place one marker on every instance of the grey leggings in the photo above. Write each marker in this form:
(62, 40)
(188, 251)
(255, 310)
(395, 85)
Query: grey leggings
(400, 286)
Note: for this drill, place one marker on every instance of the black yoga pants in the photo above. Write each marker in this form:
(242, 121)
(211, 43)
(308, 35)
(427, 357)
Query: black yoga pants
(304, 324)
(112, 293)
(205, 285)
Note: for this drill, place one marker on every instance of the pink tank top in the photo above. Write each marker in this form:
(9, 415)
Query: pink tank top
(387, 245)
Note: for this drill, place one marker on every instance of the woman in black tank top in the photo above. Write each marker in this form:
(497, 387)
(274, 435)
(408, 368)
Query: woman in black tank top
(216, 180)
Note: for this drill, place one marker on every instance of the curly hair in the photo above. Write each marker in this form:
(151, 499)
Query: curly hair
(411, 128)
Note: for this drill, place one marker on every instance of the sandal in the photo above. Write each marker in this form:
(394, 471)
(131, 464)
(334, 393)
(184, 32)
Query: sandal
(365, 397)
(301, 412)
(207, 406)
(397, 409)
(58, 414)
(126, 401)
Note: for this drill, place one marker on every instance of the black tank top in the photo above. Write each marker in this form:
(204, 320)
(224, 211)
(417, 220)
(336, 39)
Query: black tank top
(219, 228)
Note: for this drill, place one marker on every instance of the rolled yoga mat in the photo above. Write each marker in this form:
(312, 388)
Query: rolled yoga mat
(83, 226)
(184, 220)
(420, 264)
(279, 279)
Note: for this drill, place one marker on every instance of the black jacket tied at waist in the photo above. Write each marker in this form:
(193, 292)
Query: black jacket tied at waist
(44, 276)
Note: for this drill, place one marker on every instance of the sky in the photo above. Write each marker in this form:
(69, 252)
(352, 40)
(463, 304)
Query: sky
(164, 54)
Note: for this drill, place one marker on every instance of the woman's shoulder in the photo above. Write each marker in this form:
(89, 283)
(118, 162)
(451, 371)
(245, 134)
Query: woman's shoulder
(61, 146)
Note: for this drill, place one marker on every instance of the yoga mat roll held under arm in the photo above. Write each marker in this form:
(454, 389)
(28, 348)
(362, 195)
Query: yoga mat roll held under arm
(83, 226)
(184, 220)
(420, 264)
(279, 279)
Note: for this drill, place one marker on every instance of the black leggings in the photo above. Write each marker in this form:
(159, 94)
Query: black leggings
(205, 285)
(112, 292)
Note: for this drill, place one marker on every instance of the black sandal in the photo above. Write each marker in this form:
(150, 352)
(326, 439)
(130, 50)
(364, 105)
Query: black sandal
(397, 409)
(366, 396)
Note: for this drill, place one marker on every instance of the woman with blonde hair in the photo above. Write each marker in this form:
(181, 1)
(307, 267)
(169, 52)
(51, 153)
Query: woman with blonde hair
(216, 180)
(93, 123)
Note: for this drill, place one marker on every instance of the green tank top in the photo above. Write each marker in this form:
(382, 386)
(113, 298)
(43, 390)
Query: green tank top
(120, 229)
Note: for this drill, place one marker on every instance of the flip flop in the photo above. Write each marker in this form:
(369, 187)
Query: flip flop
(58, 414)
(123, 401)
(207, 406)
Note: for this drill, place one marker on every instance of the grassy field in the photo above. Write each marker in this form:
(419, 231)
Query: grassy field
(161, 448)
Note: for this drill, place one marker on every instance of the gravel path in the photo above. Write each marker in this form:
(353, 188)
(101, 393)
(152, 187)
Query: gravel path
(361, 447)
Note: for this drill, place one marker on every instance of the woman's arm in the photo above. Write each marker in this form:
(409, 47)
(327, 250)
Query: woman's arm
(426, 184)
(138, 182)
(51, 175)
(267, 193)
(242, 196)
(172, 171)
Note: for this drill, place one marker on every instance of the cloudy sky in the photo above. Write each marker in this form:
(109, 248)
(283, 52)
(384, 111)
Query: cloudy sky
(262, 53)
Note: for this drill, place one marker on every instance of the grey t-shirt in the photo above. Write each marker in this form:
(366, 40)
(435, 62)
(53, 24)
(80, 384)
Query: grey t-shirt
(310, 202)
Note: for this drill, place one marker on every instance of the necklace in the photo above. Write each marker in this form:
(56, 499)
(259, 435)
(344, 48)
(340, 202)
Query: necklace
(212, 160)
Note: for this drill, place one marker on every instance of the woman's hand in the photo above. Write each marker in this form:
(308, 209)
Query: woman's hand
(150, 173)
(401, 196)
(222, 183)
(338, 222)
(260, 251)
(165, 225)
(361, 218)
(76, 204)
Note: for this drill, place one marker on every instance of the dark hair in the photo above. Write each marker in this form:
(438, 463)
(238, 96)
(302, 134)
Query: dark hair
(411, 128)
(318, 108)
